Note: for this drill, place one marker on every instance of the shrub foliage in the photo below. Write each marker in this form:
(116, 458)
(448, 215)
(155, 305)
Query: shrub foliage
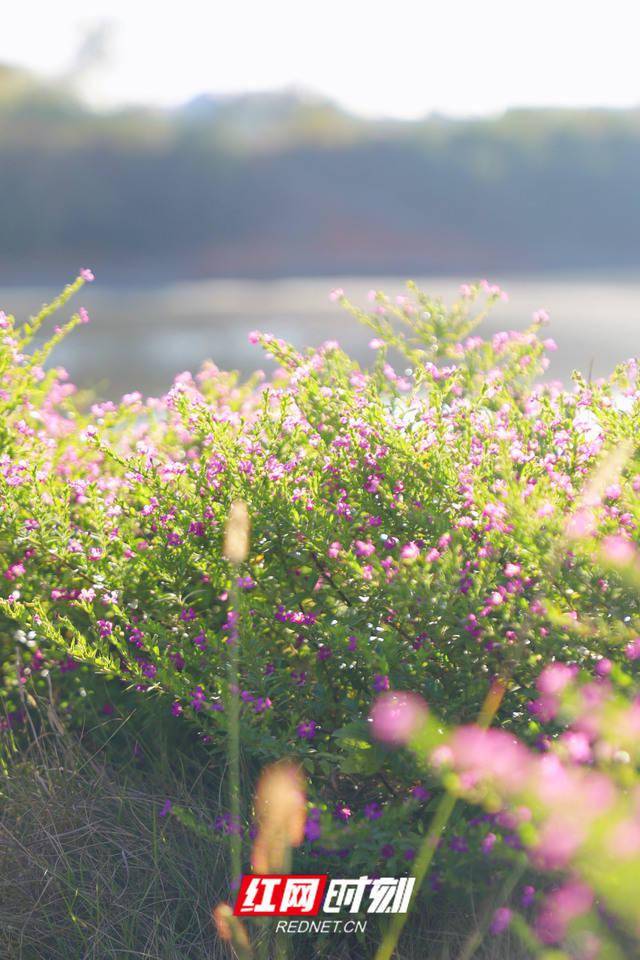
(427, 524)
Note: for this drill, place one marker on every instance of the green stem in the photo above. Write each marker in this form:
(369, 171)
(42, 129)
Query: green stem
(429, 845)
(233, 742)
(421, 867)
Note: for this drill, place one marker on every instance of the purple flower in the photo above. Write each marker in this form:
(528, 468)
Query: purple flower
(342, 812)
(372, 483)
(458, 844)
(246, 583)
(166, 808)
(501, 920)
(312, 830)
(420, 794)
(380, 682)
(387, 850)
(488, 843)
(177, 660)
(373, 811)
(528, 896)
(435, 882)
(228, 824)
(306, 730)
(136, 636)
(198, 698)
(200, 641)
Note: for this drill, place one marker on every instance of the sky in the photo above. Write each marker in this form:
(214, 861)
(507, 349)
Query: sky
(400, 58)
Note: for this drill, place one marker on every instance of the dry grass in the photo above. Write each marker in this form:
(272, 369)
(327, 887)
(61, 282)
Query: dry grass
(90, 871)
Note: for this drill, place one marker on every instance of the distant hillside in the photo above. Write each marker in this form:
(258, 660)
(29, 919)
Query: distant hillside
(267, 185)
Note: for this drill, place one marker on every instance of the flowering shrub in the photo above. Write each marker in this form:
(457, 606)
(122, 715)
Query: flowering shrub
(425, 525)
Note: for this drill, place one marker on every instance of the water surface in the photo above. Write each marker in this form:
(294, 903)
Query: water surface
(139, 338)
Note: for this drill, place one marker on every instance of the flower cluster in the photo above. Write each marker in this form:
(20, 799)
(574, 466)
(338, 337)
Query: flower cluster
(570, 806)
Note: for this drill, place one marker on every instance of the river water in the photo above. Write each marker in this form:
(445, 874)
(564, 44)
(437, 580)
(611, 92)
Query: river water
(139, 338)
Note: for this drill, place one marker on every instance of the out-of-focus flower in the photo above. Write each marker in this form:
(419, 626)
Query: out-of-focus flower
(560, 908)
(280, 808)
(236, 540)
(396, 716)
(501, 920)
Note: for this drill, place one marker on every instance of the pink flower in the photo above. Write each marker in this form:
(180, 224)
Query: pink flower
(561, 907)
(410, 551)
(501, 920)
(555, 677)
(632, 649)
(489, 755)
(625, 839)
(334, 549)
(336, 294)
(604, 667)
(488, 843)
(558, 840)
(87, 275)
(580, 524)
(396, 716)
(618, 551)
(84, 316)
(577, 746)
(363, 548)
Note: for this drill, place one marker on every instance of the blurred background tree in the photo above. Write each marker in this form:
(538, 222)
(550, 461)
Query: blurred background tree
(289, 184)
